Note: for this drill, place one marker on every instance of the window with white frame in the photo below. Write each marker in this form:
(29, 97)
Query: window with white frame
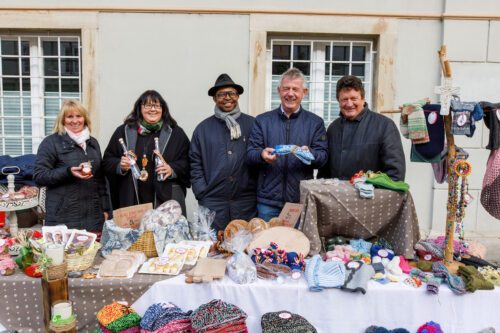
(323, 63)
(36, 74)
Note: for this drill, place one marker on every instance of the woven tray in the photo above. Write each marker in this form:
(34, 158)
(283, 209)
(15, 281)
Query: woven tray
(78, 263)
(145, 244)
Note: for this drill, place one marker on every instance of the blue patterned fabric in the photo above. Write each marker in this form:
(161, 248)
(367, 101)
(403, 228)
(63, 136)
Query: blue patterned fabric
(320, 274)
(160, 314)
(360, 245)
(115, 237)
(304, 156)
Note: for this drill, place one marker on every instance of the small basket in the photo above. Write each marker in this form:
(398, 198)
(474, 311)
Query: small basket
(145, 244)
(55, 272)
(78, 263)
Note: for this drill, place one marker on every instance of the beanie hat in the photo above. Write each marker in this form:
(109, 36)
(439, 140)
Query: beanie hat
(285, 322)
(160, 314)
(379, 329)
(320, 274)
(216, 314)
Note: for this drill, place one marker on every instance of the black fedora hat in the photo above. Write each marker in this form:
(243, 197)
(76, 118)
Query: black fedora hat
(224, 81)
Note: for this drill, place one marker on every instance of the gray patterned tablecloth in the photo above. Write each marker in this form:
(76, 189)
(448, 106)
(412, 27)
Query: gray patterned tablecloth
(21, 306)
(337, 209)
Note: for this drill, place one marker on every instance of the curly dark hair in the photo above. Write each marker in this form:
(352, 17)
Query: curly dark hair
(135, 116)
(350, 82)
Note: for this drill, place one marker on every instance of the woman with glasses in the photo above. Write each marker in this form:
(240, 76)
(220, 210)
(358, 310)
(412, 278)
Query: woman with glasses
(147, 157)
(68, 163)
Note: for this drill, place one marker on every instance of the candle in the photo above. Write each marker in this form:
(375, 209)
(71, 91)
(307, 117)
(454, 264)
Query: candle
(62, 309)
(55, 252)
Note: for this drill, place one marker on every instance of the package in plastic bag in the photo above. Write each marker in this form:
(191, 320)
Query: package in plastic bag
(201, 226)
(240, 267)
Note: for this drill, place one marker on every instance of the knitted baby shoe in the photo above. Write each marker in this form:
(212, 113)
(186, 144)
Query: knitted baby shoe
(455, 282)
(382, 180)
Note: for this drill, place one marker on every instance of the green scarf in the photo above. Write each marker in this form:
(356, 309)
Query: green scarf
(146, 128)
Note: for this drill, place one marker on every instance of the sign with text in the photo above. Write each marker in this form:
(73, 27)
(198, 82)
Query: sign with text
(130, 217)
(290, 214)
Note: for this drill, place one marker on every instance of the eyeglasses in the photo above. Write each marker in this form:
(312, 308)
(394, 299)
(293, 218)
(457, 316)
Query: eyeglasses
(151, 106)
(223, 94)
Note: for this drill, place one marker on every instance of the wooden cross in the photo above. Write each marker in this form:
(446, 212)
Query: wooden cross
(446, 92)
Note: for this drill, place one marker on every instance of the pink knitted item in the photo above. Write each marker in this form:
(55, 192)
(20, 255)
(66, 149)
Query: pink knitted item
(490, 194)
(175, 326)
(439, 241)
(134, 329)
(342, 252)
(404, 265)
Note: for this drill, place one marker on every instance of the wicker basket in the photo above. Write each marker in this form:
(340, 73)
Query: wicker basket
(55, 272)
(78, 263)
(145, 244)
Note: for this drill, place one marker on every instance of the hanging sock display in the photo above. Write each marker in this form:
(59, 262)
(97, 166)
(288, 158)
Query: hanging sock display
(413, 122)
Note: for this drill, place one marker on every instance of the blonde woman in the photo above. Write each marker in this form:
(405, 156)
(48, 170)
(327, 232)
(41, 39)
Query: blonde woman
(68, 163)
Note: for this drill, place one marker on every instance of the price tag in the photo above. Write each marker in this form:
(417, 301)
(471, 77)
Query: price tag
(285, 315)
(432, 118)
(353, 265)
(462, 119)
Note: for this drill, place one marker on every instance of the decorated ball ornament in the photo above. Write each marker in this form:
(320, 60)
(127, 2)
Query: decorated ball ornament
(462, 168)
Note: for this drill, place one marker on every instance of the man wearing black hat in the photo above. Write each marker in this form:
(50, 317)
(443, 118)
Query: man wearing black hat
(221, 180)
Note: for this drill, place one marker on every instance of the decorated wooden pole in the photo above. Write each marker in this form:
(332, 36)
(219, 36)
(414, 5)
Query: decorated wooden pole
(446, 91)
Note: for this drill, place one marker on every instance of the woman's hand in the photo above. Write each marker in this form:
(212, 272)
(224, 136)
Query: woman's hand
(164, 169)
(78, 172)
(125, 164)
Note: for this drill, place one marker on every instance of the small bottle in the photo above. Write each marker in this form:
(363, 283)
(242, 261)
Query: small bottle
(158, 162)
(133, 164)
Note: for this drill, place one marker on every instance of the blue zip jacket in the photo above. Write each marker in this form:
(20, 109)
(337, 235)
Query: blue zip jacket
(280, 182)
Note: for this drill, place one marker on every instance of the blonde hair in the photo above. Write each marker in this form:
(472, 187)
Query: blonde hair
(66, 107)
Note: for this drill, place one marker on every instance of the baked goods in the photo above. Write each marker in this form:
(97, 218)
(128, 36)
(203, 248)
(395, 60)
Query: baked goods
(257, 224)
(233, 227)
(276, 222)
(289, 239)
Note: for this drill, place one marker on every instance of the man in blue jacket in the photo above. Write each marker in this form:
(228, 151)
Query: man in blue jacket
(289, 124)
(221, 180)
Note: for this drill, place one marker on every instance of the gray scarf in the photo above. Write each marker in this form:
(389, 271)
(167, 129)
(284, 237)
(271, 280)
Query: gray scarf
(230, 119)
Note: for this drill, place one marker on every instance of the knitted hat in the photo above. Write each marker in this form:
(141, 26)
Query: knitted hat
(216, 314)
(320, 274)
(435, 127)
(160, 314)
(379, 329)
(284, 321)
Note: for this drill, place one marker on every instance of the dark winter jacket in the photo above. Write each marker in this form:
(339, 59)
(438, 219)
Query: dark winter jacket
(74, 202)
(221, 179)
(174, 145)
(279, 182)
(370, 142)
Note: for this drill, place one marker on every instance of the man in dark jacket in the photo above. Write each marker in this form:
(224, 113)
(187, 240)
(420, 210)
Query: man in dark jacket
(290, 124)
(361, 139)
(221, 180)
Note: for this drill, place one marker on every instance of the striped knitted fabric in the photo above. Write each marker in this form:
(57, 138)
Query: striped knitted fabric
(160, 314)
(285, 322)
(214, 315)
(133, 329)
(320, 274)
(175, 326)
(413, 122)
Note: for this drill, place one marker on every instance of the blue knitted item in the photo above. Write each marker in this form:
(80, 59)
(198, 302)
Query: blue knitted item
(455, 282)
(305, 156)
(160, 314)
(360, 245)
(320, 274)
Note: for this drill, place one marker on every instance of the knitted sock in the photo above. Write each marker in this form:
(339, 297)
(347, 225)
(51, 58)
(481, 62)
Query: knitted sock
(421, 275)
(380, 329)
(404, 265)
(474, 280)
(433, 285)
(393, 266)
(455, 283)
(384, 181)
(360, 245)
(416, 122)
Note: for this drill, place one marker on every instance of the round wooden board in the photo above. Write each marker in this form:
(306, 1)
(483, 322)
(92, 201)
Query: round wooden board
(288, 239)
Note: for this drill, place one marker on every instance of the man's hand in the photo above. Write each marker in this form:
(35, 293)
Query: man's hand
(266, 155)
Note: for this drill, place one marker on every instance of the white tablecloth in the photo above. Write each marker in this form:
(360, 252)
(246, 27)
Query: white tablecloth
(332, 310)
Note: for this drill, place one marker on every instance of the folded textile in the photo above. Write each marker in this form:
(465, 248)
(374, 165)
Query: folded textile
(382, 180)
(213, 315)
(176, 326)
(161, 314)
(304, 155)
(125, 322)
(476, 261)
(357, 276)
(133, 329)
(473, 279)
(284, 321)
(455, 282)
(320, 274)
(360, 245)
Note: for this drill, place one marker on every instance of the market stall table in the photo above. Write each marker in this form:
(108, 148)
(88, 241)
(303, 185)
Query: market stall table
(332, 310)
(21, 299)
(334, 208)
